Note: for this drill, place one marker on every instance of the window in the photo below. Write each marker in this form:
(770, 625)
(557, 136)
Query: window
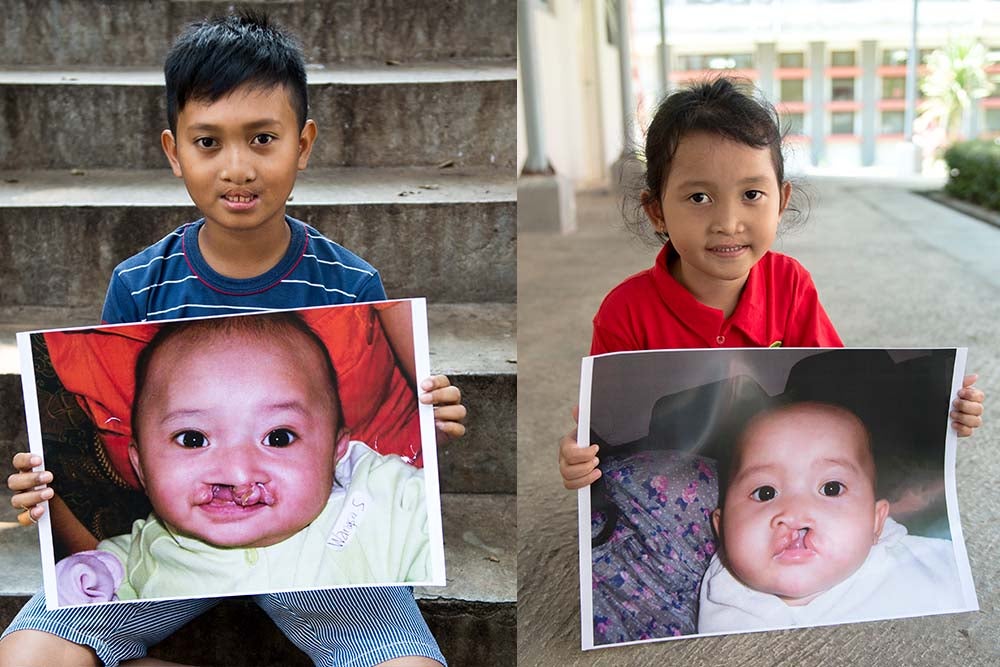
(893, 88)
(892, 122)
(993, 120)
(792, 90)
(717, 61)
(901, 55)
(793, 123)
(792, 60)
(842, 58)
(842, 122)
(842, 89)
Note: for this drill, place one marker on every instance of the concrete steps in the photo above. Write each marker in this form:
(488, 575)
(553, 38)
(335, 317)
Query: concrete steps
(368, 116)
(479, 600)
(431, 232)
(75, 32)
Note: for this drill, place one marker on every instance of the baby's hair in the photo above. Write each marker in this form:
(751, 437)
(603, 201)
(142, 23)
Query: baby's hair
(731, 108)
(729, 465)
(214, 57)
(266, 326)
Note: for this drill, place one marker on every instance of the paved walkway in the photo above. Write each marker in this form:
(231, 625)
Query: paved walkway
(893, 269)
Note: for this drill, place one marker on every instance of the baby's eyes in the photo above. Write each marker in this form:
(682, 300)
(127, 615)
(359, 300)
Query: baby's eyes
(833, 489)
(191, 439)
(764, 493)
(280, 437)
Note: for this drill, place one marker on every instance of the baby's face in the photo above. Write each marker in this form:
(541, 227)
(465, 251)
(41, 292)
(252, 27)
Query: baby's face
(237, 438)
(800, 513)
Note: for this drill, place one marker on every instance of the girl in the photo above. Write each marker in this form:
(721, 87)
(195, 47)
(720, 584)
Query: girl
(715, 191)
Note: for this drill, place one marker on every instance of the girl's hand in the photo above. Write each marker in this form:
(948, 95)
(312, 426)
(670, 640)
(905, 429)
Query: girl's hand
(577, 465)
(968, 412)
(29, 488)
(448, 409)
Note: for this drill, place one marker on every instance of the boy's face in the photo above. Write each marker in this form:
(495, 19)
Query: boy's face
(237, 438)
(239, 156)
(800, 514)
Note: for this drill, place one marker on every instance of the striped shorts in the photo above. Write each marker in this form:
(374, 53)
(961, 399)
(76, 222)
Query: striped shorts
(348, 626)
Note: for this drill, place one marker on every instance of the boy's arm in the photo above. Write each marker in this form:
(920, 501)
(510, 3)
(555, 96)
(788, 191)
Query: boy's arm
(119, 306)
(372, 289)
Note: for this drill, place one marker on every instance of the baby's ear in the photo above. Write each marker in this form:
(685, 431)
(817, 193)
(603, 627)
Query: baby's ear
(881, 512)
(343, 441)
(716, 522)
(133, 457)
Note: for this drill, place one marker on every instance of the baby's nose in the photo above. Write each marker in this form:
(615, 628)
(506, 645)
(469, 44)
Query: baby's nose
(792, 515)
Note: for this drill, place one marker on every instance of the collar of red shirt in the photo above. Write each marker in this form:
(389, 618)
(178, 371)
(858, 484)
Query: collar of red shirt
(708, 322)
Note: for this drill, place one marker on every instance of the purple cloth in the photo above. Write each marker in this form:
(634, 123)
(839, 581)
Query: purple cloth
(88, 577)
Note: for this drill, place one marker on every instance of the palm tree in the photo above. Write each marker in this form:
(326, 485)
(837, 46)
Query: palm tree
(956, 77)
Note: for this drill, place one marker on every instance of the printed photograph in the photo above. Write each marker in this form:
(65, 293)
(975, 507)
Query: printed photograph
(243, 454)
(761, 489)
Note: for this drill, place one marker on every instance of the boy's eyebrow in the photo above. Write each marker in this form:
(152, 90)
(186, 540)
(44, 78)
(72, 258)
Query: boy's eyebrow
(255, 125)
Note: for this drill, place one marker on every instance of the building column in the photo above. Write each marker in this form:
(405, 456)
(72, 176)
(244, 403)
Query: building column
(625, 169)
(908, 155)
(544, 199)
(767, 62)
(869, 102)
(817, 100)
(663, 51)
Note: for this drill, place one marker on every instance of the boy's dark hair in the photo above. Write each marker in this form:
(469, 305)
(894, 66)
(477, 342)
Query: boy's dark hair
(729, 107)
(214, 57)
(199, 330)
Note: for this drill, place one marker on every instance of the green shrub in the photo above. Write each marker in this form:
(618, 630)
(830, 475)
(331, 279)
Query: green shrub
(974, 172)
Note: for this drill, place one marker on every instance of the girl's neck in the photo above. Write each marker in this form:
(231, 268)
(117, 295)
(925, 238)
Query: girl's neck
(723, 295)
(242, 254)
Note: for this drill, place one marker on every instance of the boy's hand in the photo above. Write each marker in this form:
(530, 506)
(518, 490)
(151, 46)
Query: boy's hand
(448, 409)
(24, 484)
(578, 465)
(968, 412)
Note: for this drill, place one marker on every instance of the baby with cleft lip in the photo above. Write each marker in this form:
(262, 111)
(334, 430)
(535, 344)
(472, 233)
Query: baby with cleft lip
(804, 539)
(255, 484)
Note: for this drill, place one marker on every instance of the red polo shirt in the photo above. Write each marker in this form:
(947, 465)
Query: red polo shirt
(652, 311)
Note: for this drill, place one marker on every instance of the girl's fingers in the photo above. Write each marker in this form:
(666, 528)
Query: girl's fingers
(962, 430)
(572, 454)
(571, 471)
(968, 407)
(581, 482)
(965, 419)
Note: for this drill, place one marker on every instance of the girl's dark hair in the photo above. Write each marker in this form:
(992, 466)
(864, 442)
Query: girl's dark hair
(214, 57)
(269, 325)
(731, 108)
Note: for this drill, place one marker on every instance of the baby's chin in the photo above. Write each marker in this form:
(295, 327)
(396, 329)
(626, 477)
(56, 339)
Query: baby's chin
(244, 537)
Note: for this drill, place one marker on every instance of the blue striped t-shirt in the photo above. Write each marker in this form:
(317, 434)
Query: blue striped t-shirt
(170, 279)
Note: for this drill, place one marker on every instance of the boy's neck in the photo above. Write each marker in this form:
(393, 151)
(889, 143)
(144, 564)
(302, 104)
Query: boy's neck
(242, 254)
(723, 295)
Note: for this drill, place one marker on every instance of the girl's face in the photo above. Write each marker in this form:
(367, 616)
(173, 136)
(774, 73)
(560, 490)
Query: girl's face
(237, 438)
(720, 207)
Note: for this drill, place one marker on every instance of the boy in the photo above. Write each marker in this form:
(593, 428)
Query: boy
(245, 493)
(236, 106)
(804, 540)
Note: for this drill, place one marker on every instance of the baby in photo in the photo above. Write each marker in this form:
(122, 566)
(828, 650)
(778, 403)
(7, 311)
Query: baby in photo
(239, 442)
(805, 539)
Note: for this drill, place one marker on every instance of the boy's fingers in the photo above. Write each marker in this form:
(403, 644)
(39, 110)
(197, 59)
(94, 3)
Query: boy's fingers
(449, 413)
(435, 382)
(31, 516)
(968, 407)
(444, 396)
(25, 461)
(23, 481)
(27, 501)
(574, 484)
(451, 429)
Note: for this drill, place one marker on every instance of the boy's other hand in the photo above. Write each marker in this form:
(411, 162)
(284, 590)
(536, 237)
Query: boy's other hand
(968, 412)
(577, 465)
(29, 488)
(448, 409)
